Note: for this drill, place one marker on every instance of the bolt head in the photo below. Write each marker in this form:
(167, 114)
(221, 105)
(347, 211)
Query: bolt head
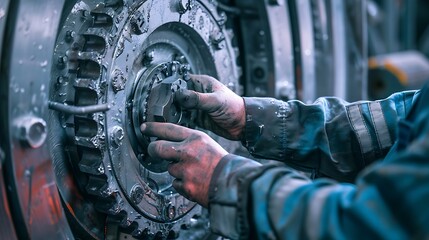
(31, 131)
(69, 36)
(137, 194)
(117, 136)
(170, 212)
(183, 6)
(148, 58)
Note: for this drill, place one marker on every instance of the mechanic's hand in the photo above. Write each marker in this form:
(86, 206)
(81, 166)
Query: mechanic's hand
(220, 109)
(194, 156)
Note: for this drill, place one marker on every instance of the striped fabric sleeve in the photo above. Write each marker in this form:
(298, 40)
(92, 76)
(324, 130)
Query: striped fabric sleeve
(330, 137)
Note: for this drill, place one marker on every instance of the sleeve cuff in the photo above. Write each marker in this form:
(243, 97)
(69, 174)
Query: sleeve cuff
(228, 195)
(265, 133)
(224, 195)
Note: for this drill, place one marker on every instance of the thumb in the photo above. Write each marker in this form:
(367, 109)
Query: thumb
(189, 99)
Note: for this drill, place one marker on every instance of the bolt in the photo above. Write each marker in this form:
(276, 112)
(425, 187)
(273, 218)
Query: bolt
(183, 6)
(222, 19)
(61, 80)
(117, 136)
(85, 13)
(185, 68)
(118, 81)
(31, 130)
(137, 193)
(148, 57)
(61, 62)
(217, 40)
(101, 169)
(180, 58)
(138, 23)
(69, 36)
(170, 212)
(164, 69)
(173, 68)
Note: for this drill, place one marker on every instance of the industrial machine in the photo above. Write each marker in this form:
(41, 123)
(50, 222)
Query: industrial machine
(78, 78)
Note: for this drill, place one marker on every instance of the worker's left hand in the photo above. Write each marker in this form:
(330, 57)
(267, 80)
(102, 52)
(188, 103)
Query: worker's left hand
(193, 155)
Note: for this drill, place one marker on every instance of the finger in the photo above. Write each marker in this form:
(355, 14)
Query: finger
(166, 131)
(179, 186)
(166, 150)
(176, 170)
(189, 99)
(205, 83)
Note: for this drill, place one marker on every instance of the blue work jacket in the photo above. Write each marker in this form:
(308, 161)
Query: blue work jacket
(369, 165)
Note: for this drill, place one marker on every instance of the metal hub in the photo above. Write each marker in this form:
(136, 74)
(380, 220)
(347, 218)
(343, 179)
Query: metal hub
(152, 101)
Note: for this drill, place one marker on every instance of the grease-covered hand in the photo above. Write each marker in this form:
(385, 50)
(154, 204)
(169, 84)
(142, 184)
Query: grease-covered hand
(193, 155)
(220, 109)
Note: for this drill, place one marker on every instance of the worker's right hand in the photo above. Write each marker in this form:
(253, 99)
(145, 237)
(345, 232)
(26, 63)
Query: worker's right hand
(220, 110)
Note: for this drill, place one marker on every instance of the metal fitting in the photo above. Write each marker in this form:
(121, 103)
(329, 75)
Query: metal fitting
(117, 136)
(31, 131)
(137, 194)
(148, 58)
(183, 6)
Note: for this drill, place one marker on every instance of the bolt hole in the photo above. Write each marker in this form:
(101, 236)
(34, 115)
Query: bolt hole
(259, 72)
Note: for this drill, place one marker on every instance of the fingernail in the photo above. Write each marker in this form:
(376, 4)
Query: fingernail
(143, 127)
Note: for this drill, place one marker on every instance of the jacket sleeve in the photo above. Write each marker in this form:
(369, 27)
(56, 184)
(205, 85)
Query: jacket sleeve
(389, 200)
(330, 137)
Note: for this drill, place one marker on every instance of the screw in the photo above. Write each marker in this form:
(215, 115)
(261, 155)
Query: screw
(137, 193)
(117, 136)
(32, 131)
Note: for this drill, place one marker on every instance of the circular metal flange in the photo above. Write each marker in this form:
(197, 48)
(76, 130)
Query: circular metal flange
(116, 54)
(153, 102)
